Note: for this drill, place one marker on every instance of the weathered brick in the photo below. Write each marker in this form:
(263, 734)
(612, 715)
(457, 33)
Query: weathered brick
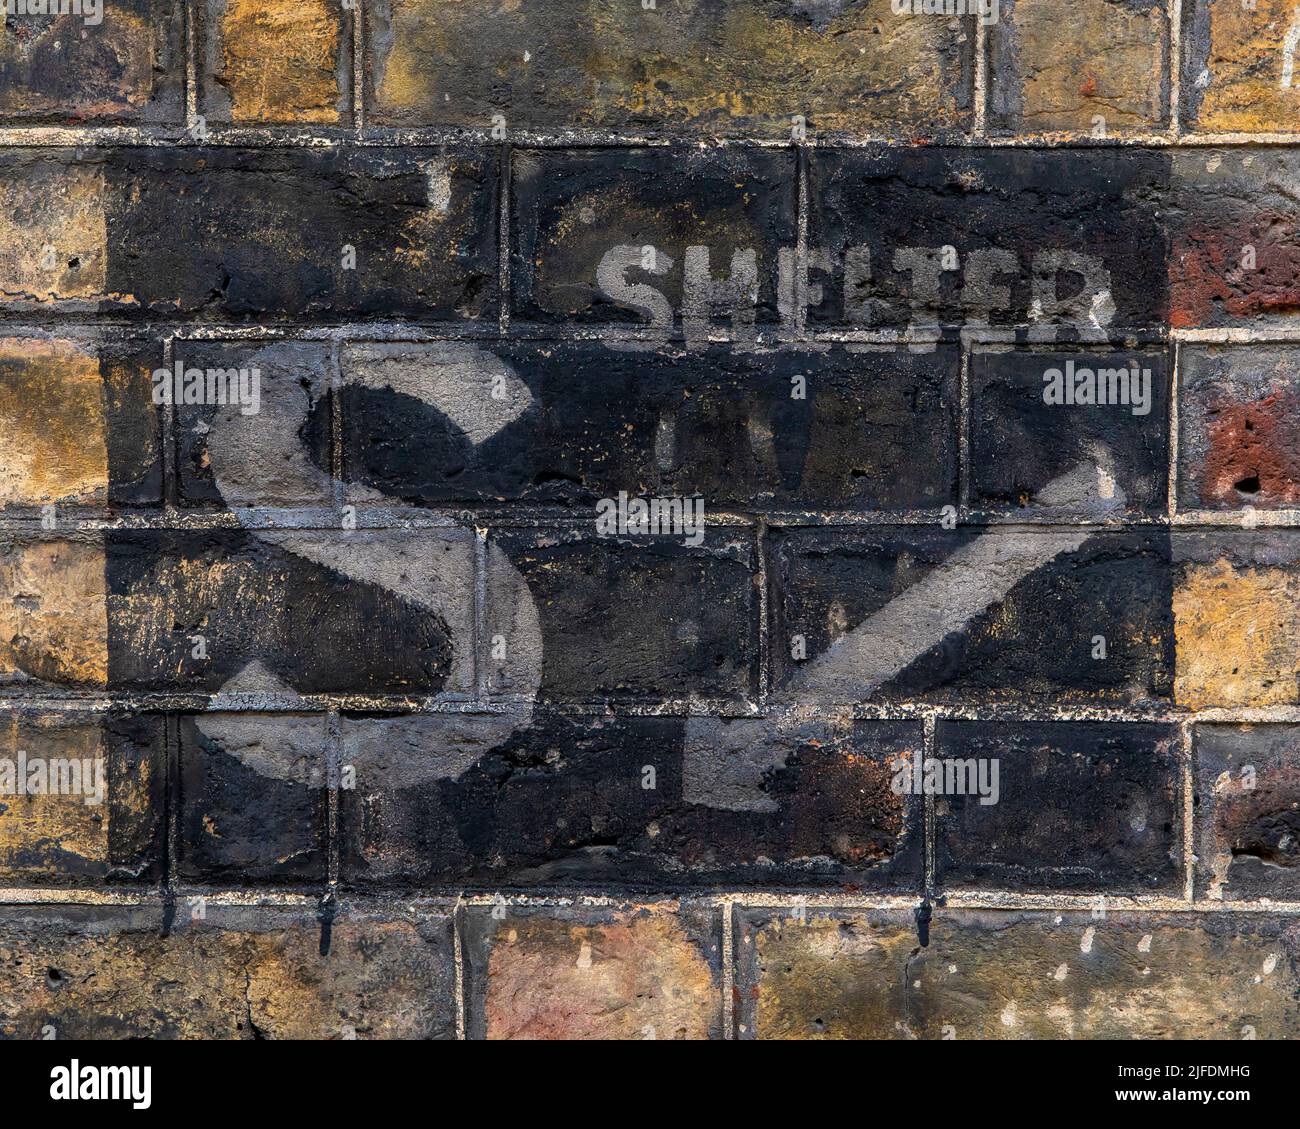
(1017, 975)
(278, 612)
(717, 67)
(623, 618)
(270, 64)
(97, 821)
(267, 232)
(52, 403)
(639, 802)
(822, 974)
(1121, 976)
(1239, 427)
(125, 67)
(966, 615)
(79, 425)
(1248, 801)
(1235, 606)
(638, 211)
(1235, 66)
(275, 456)
(234, 973)
(618, 972)
(54, 240)
(1023, 437)
(1044, 245)
(577, 422)
(1077, 805)
(1233, 261)
(53, 612)
(1095, 66)
(252, 802)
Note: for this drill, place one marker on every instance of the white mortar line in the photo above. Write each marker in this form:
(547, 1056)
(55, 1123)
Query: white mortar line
(1189, 813)
(358, 71)
(1175, 69)
(725, 907)
(446, 902)
(458, 958)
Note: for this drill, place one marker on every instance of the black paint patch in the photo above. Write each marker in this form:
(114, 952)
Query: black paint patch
(1020, 443)
(1035, 644)
(1079, 806)
(240, 825)
(266, 234)
(566, 800)
(635, 619)
(794, 428)
(307, 625)
(1024, 202)
(569, 208)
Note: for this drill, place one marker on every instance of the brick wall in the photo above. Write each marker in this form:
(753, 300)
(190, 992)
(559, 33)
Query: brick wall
(391, 740)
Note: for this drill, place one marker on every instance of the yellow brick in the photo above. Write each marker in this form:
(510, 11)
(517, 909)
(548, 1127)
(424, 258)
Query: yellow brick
(53, 613)
(52, 443)
(1237, 636)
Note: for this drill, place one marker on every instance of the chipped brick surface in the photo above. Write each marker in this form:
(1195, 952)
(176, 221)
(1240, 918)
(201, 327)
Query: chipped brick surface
(1231, 262)
(1238, 439)
(1249, 808)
